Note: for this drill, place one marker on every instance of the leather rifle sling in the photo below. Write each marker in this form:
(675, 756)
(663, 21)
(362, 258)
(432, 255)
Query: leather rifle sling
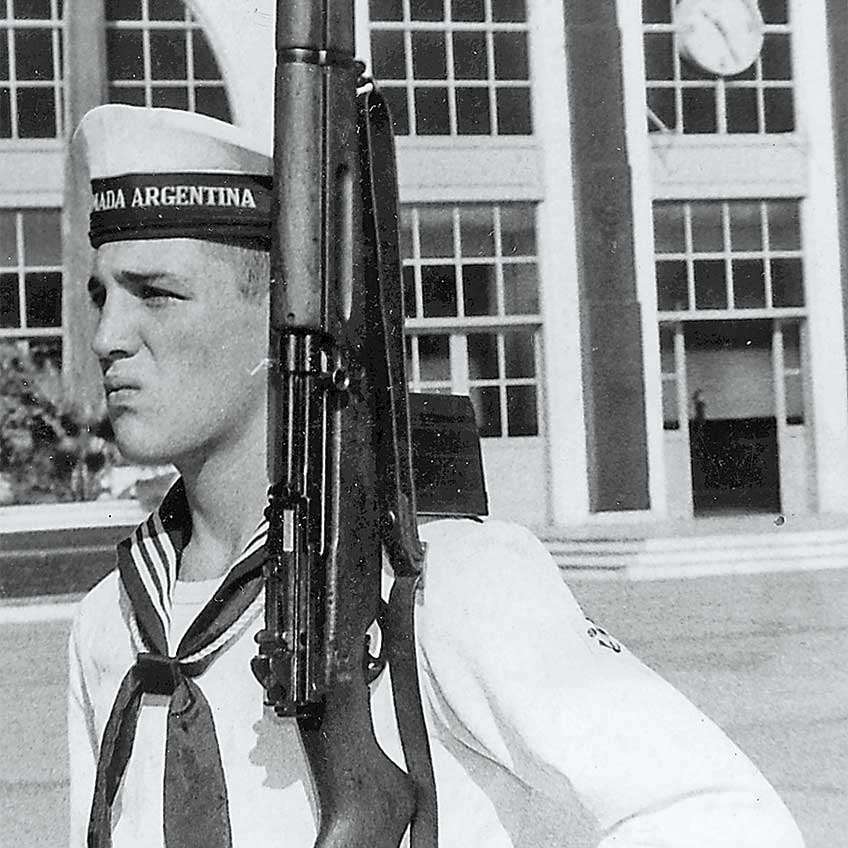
(406, 693)
(379, 167)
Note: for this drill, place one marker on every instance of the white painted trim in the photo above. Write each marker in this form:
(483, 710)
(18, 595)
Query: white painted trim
(31, 145)
(565, 425)
(469, 168)
(685, 167)
(35, 613)
(638, 573)
(695, 315)
(32, 176)
(62, 516)
(822, 271)
(48, 199)
(639, 157)
(635, 517)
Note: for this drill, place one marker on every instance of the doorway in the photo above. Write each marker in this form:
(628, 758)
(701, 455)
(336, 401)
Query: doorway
(733, 431)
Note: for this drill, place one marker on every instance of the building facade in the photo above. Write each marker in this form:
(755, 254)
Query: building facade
(632, 265)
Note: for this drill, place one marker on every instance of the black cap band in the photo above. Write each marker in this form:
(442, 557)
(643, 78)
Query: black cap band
(215, 206)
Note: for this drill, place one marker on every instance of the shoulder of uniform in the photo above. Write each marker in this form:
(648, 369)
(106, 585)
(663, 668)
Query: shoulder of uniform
(484, 583)
(99, 606)
(490, 545)
(486, 569)
(458, 529)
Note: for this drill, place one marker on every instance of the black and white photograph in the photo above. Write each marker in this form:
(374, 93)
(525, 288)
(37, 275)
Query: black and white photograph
(423, 423)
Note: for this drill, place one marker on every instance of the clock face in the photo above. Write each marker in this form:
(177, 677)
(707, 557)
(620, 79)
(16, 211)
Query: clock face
(720, 36)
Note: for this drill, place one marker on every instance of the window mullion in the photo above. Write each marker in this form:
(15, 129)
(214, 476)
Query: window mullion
(460, 379)
(721, 106)
(416, 363)
(145, 47)
(730, 292)
(500, 339)
(690, 264)
(764, 228)
(416, 249)
(490, 79)
(191, 86)
(407, 58)
(499, 284)
(13, 78)
(19, 246)
(457, 263)
(55, 42)
(450, 81)
(778, 373)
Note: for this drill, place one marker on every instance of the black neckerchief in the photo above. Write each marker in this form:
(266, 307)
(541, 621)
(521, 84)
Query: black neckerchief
(195, 794)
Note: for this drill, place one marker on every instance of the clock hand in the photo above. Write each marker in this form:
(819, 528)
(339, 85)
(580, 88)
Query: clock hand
(724, 32)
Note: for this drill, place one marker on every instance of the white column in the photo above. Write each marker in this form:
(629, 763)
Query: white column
(557, 246)
(822, 271)
(85, 89)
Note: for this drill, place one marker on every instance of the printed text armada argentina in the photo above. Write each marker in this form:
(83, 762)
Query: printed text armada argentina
(174, 195)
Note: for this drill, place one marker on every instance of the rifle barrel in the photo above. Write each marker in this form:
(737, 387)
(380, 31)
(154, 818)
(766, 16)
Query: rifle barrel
(314, 250)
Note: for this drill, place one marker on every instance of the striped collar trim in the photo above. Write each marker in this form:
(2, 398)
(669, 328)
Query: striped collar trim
(149, 564)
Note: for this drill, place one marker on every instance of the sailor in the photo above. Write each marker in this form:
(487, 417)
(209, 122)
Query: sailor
(544, 729)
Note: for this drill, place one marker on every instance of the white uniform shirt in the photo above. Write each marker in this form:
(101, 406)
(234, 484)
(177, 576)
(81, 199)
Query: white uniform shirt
(544, 730)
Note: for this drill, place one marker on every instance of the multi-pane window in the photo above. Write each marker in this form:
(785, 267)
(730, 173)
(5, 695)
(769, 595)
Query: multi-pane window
(472, 303)
(31, 69)
(685, 99)
(157, 55)
(31, 279)
(453, 67)
(728, 255)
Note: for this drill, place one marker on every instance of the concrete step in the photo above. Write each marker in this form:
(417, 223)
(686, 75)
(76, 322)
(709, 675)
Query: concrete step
(657, 552)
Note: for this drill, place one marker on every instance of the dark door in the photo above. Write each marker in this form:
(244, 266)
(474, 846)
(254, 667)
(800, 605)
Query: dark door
(733, 427)
(735, 465)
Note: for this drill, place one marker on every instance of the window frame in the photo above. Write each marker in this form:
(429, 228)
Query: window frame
(681, 82)
(459, 328)
(56, 25)
(22, 333)
(450, 83)
(689, 256)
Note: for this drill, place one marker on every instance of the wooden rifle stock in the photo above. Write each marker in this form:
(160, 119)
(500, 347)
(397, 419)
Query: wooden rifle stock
(330, 378)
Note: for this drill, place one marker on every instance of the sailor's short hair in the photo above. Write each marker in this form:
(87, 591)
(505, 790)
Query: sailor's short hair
(167, 173)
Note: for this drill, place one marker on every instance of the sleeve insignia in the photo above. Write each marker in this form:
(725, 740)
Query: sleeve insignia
(602, 637)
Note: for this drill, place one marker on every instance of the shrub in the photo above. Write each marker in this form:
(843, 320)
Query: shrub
(50, 448)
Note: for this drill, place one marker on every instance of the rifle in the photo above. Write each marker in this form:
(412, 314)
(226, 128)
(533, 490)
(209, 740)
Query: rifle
(337, 402)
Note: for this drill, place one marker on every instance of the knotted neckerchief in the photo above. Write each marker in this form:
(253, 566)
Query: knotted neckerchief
(195, 794)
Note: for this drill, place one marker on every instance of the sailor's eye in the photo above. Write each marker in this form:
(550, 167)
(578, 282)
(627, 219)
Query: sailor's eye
(156, 294)
(96, 293)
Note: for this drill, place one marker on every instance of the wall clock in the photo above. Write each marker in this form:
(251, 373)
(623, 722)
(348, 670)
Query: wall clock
(721, 37)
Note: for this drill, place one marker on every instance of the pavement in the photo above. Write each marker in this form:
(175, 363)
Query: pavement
(761, 654)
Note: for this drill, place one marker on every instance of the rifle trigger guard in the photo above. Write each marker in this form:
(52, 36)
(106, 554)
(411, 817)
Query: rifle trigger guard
(374, 665)
(341, 380)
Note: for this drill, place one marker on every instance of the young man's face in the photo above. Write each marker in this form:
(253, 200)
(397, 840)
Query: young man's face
(180, 347)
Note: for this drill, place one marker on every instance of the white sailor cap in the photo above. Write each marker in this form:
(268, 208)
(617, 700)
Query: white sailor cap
(167, 173)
